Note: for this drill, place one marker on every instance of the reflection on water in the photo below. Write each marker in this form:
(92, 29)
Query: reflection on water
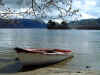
(85, 44)
(10, 66)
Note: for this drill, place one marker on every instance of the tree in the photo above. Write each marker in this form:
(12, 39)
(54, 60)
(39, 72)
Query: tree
(44, 9)
(64, 23)
(51, 23)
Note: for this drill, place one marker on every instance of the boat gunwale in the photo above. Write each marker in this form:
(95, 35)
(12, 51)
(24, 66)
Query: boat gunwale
(44, 51)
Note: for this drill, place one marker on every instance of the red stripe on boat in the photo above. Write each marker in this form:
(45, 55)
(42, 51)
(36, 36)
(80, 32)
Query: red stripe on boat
(41, 50)
(60, 50)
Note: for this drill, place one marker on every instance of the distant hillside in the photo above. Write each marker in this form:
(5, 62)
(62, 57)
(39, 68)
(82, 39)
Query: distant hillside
(29, 23)
(21, 23)
(85, 24)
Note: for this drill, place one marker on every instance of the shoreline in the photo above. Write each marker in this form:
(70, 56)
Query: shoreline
(56, 71)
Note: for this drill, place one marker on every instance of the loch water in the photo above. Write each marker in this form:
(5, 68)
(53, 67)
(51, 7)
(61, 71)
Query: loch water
(84, 43)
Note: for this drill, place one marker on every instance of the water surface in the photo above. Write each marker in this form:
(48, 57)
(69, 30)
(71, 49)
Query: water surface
(84, 43)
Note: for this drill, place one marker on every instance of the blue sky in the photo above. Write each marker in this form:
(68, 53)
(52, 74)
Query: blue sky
(88, 8)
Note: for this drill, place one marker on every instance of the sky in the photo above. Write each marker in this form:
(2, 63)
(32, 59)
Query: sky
(88, 8)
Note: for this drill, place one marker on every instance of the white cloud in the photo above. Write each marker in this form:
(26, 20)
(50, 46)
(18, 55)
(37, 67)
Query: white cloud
(77, 4)
(87, 16)
(88, 8)
(90, 3)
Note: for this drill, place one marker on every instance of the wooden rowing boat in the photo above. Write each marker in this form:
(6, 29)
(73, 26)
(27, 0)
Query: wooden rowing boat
(40, 56)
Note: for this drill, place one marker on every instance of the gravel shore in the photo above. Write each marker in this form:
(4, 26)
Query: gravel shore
(56, 71)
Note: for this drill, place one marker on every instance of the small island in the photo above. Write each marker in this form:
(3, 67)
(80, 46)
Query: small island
(84, 24)
(55, 25)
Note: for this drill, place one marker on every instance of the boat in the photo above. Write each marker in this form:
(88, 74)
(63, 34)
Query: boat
(41, 56)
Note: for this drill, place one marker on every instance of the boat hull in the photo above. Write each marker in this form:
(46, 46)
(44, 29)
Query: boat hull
(41, 59)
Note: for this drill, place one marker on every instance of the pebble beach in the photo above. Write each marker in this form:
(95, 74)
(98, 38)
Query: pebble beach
(55, 69)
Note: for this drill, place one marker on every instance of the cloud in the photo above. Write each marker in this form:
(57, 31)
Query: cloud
(88, 8)
(17, 3)
(87, 16)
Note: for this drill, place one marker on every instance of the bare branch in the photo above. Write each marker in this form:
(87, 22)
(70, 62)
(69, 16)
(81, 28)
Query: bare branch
(41, 8)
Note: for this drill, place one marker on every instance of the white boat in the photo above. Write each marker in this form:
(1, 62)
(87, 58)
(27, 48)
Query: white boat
(40, 56)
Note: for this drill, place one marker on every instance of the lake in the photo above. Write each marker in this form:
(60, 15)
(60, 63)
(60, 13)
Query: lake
(84, 43)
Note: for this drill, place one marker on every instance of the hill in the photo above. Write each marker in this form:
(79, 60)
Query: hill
(85, 24)
(21, 23)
